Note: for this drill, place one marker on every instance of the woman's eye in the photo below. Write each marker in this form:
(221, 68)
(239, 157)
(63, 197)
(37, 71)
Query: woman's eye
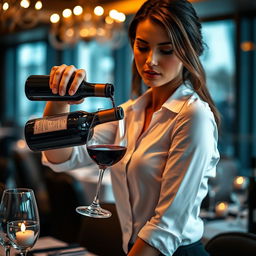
(166, 52)
(142, 49)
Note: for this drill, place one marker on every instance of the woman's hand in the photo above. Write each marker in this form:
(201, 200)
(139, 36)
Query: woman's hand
(60, 76)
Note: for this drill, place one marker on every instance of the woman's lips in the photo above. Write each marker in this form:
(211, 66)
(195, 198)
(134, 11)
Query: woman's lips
(151, 74)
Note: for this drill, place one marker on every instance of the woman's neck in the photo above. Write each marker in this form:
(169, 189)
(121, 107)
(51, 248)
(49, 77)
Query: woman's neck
(162, 93)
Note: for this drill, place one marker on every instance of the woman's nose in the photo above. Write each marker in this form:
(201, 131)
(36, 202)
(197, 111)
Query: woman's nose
(152, 59)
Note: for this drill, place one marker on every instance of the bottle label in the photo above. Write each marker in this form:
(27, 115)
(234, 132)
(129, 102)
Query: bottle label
(50, 124)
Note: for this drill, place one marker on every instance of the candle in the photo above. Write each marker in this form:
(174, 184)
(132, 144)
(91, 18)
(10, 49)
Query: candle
(221, 209)
(239, 182)
(24, 237)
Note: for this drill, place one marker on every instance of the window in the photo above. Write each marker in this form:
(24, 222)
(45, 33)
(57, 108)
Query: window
(97, 59)
(219, 63)
(31, 60)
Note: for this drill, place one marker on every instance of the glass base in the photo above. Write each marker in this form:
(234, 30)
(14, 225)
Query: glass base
(93, 211)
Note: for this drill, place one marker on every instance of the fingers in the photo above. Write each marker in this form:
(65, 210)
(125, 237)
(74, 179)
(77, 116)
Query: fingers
(65, 77)
(60, 76)
(55, 77)
(52, 76)
(79, 77)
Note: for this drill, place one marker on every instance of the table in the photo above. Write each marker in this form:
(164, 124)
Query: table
(48, 242)
(215, 227)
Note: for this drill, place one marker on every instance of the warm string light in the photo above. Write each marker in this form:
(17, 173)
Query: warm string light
(68, 25)
(25, 3)
(78, 10)
(66, 13)
(19, 14)
(38, 5)
(98, 10)
(55, 17)
(86, 24)
(5, 6)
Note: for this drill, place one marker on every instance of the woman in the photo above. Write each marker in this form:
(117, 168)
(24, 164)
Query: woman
(172, 151)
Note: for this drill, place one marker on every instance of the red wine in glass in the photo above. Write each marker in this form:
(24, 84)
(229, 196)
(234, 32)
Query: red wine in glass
(106, 155)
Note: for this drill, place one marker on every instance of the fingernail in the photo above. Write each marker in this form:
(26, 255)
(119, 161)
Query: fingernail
(54, 90)
(71, 92)
(62, 93)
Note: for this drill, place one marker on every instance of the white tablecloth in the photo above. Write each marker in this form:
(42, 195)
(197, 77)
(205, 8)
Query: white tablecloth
(47, 242)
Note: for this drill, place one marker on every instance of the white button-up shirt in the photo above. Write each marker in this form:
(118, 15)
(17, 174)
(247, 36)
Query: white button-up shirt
(162, 179)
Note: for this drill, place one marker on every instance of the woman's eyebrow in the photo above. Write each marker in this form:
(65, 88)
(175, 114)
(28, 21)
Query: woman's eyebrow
(141, 40)
(164, 43)
(145, 42)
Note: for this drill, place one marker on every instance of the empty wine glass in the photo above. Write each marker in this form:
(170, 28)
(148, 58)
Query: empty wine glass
(239, 196)
(213, 188)
(105, 147)
(214, 185)
(22, 218)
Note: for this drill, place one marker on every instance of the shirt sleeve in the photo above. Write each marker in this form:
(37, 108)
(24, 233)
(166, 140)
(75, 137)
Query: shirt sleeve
(79, 158)
(192, 154)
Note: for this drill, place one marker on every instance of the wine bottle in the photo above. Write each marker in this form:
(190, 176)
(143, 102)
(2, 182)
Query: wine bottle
(252, 199)
(67, 129)
(37, 88)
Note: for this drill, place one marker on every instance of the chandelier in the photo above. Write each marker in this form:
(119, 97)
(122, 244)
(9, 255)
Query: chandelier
(83, 21)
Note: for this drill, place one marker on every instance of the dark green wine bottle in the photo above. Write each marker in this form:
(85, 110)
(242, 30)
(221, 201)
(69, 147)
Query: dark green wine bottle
(66, 130)
(37, 89)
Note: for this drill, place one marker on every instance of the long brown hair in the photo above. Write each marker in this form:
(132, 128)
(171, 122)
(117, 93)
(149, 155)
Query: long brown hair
(181, 22)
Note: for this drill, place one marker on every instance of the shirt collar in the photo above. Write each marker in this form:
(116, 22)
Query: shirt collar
(174, 103)
(178, 98)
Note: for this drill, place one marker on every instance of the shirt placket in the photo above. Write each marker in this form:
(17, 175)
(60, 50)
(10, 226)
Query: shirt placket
(133, 138)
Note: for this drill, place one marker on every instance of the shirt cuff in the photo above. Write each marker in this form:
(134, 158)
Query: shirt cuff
(159, 238)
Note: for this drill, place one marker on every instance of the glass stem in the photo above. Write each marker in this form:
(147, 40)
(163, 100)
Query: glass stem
(239, 215)
(7, 251)
(211, 203)
(96, 198)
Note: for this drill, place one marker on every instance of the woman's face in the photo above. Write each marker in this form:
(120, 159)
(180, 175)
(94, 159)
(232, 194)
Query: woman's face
(153, 54)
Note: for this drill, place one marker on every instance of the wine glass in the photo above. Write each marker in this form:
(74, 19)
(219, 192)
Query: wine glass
(22, 218)
(105, 147)
(4, 239)
(239, 196)
(213, 188)
(214, 185)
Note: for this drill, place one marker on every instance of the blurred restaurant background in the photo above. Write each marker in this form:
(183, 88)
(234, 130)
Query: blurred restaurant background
(36, 35)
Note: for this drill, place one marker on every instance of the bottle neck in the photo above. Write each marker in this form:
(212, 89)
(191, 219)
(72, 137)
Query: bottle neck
(109, 115)
(94, 89)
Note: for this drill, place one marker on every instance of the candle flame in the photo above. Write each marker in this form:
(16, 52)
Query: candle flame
(222, 206)
(240, 180)
(23, 227)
